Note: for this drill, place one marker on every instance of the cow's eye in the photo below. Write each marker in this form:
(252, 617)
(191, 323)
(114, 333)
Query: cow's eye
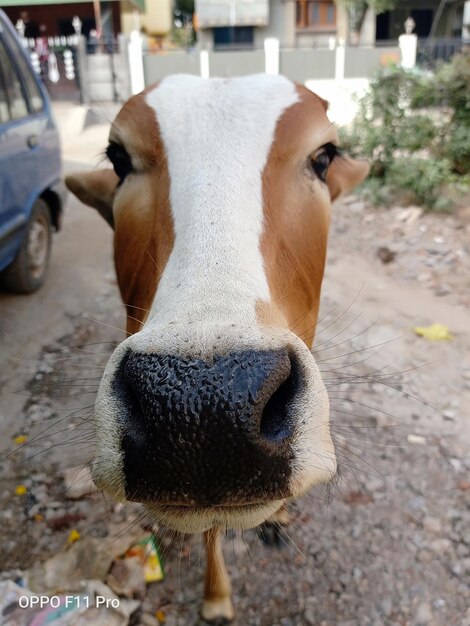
(120, 160)
(321, 160)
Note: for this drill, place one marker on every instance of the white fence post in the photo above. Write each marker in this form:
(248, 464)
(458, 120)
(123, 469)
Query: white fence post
(271, 56)
(136, 62)
(466, 20)
(340, 59)
(204, 63)
(408, 48)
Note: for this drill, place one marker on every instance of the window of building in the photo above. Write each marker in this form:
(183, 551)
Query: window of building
(331, 14)
(316, 14)
(234, 37)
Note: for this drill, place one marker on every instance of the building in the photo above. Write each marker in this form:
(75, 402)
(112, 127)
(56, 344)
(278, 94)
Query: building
(228, 24)
(434, 18)
(247, 23)
(54, 18)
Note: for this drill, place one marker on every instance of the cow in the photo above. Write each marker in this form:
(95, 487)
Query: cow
(212, 412)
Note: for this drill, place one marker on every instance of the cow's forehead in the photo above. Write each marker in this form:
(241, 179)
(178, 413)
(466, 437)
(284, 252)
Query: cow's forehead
(218, 107)
(244, 91)
(228, 112)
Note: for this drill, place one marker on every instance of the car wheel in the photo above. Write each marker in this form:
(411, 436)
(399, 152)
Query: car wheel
(28, 270)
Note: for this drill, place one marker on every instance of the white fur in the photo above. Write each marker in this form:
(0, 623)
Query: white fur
(217, 135)
(186, 520)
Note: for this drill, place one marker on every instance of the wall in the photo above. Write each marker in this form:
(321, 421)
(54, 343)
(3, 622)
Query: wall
(281, 24)
(159, 65)
(303, 64)
(225, 63)
(297, 64)
(363, 62)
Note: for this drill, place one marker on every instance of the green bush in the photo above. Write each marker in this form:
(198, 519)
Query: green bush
(414, 128)
(425, 178)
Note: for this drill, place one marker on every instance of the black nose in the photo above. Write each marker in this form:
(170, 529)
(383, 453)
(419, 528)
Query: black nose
(205, 433)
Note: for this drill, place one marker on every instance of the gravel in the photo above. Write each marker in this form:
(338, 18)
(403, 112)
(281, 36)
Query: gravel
(388, 542)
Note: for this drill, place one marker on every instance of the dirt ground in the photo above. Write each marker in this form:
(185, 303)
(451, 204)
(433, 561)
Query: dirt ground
(388, 543)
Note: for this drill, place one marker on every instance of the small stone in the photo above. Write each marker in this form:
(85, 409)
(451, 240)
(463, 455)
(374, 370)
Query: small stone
(440, 546)
(78, 482)
(456, 465)
(424, 277)
(432, 524)
(423, 614)
(462, 550)
(442, 290)
(418, 503)
(424, 556)
(374, 484)
(309, 617)
(126, 578)
(386, 606)
(449, 415)
(456, 569)
(385, 254)
(356, 531)
(357, 207)
(416, 439)
(410, 215)
(149, 620)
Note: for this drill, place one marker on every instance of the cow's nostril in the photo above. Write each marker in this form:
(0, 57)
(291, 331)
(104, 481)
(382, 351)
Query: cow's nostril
(277, 423)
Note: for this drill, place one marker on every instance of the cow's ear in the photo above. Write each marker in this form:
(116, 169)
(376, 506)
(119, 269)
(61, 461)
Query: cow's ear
(344, 174)
(96, 189)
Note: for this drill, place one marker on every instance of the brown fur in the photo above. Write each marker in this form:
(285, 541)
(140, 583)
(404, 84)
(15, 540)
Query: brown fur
(297, 215)
(293, 243)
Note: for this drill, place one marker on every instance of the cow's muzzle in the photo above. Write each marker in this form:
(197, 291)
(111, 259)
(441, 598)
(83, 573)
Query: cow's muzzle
(201, 433)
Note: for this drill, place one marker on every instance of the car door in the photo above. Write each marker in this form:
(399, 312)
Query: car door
(22, 130)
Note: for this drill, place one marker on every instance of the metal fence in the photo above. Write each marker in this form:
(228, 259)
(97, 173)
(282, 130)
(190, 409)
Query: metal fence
(55, 59)
(431, 52)
(104, 70)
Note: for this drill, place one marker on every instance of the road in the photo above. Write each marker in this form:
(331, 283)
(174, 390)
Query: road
(390, 545)
(81, 269)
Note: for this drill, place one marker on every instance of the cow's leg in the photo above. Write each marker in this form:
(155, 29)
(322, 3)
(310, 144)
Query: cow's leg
(271, 532)
(217, 607)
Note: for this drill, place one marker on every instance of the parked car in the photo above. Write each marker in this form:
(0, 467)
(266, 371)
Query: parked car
(31, 190)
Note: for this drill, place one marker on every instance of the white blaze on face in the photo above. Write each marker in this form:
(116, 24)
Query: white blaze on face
(217, 135)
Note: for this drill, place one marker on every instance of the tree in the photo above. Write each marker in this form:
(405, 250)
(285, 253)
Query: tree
(357, 9)
(183, 31)
(185, 6)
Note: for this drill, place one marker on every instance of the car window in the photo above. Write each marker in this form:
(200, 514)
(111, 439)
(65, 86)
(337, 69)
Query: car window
(35, 97)
(12, 84)
(4, 110)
